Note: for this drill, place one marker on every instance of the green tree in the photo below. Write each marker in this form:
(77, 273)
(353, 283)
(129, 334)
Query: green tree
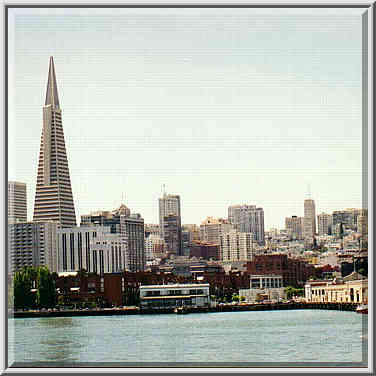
(46, 291)
(242, 298)
(235, 297)
(23, 283)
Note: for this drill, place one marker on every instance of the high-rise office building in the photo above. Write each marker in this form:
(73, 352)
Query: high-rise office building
(172, 234)
(53, 197)
(324, 224)
(248, 218)
(294, 227)
(32, 244)
(169, 206)
(348, 218)
(309, 219)
(17, 203)
(133, 239)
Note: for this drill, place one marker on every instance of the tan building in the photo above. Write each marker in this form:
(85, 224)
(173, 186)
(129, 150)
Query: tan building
(351, 289)
(212, 228)
(237, 246)
(324, 222)
(294, 227)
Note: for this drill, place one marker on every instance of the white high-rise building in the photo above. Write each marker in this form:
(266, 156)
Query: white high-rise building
(17, 203)
(75, 247)
(248, 218)
(237, 246)
(309, 219)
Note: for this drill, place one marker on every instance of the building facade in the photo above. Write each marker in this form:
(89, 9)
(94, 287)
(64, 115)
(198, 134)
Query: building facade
(352, 291)
(17, 203)
(108, 254)
(172, 296)
(212, 228)
(309, 219)
(295, 272)
(53, 197)
(133, 238)
(75, 247)
(264, 287)
(106, 218)
(294, 227)
(324, 224)
(237, 246)
(168, 205)
(172, 234)
(32, 244)
(248, 218)
(170, 222)
(205, 250)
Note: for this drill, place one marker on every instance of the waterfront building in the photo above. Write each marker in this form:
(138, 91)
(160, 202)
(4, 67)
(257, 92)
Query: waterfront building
(75, 247)
(133, 238)
(32, 244)
(347, 290)
(237, 246)
(248, 218)
(212, 228)
(17, 203)
(324, 222)
(294, 227)
(293, 271)
(309, 230)
(172, 296)
(264, 287)
(53, 197)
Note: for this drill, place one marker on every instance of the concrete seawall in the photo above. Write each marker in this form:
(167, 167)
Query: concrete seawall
(222, 308)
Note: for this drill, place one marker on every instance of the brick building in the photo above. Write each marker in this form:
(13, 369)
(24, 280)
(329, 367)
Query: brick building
(293, 271)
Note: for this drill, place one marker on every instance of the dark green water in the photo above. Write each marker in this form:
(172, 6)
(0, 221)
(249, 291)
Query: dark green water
(273, 336)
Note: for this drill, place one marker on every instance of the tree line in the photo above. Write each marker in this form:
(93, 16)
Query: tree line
(34, 287)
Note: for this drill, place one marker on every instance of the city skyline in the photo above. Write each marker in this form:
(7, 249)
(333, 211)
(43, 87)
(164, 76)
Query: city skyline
(178, 128)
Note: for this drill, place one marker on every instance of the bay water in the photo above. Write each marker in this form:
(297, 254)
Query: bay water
(245, 337)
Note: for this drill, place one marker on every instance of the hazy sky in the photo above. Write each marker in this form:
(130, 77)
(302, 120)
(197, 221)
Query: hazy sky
(224, 106)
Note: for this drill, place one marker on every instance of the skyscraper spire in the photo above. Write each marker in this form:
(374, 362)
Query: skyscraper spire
(52, 97)
(53, 196)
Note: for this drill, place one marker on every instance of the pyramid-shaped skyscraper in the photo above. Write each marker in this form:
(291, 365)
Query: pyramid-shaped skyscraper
(53, 197)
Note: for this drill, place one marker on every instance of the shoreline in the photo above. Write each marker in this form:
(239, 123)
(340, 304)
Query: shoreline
(226, 308)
